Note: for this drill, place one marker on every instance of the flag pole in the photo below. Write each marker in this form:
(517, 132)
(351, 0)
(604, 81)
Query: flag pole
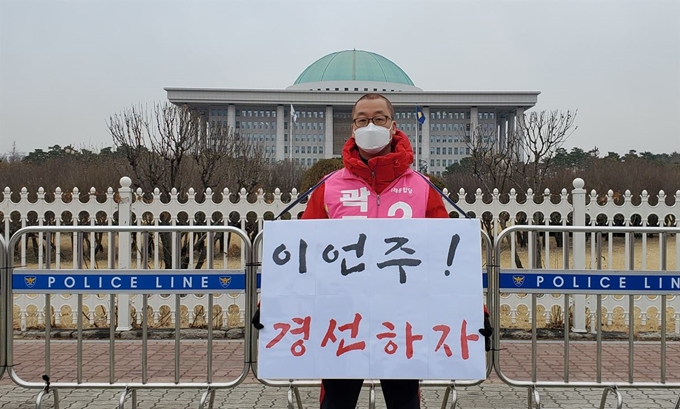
(417, 164)
(290, 136)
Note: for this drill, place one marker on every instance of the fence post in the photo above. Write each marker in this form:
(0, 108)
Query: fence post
(578, 197)
(124, 249)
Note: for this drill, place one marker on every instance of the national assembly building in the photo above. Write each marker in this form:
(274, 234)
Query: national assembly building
(322, 98)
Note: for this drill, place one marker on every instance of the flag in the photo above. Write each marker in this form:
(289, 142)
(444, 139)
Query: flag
(293, 114)
(420, 116)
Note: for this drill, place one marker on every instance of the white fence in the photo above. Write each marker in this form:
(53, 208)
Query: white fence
(124, 206)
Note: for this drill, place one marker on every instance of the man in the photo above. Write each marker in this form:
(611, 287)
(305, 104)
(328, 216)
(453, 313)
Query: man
(376, 157)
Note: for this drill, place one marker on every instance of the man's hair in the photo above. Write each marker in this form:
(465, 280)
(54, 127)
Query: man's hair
(373, 95)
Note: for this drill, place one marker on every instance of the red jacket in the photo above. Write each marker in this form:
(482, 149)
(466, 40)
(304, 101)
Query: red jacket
(379, 173)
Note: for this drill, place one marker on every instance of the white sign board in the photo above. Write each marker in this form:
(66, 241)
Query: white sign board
(372, 299)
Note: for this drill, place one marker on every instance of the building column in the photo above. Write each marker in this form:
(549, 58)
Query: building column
(426, 141)
(204, 128)
(280, 143)
(511, 134)
(231, 118)
(328, 134)
(474, 123)
(502, 137)
(519, 141)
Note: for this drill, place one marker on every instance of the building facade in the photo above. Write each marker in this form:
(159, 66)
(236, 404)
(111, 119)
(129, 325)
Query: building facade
(323, 96)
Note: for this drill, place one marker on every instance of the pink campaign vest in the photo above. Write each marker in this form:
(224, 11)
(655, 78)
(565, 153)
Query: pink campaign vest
(348, 196)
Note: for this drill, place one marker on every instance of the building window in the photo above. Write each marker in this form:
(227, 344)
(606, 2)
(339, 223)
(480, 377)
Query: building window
(285, 149)
(320, 149)
(432, 162)
(450, 150)
(438, 151)
(431, 151)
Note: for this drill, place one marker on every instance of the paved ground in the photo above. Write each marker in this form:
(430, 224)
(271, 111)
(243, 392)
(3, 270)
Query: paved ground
(29, 360)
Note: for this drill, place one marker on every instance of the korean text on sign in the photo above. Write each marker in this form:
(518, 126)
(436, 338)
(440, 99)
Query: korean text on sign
(376, 298)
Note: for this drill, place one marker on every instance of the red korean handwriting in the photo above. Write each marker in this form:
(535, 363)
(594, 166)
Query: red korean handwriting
(298, 347)
(352, 327)
(391, 347)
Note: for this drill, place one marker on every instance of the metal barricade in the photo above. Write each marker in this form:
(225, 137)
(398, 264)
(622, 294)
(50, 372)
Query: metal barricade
(207, 285)
(5, 306)
(568, 281)
(294, 385)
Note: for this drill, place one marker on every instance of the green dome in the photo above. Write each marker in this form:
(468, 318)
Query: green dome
(354, 65)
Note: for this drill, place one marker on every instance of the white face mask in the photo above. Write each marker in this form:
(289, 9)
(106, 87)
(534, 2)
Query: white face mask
(372, 138)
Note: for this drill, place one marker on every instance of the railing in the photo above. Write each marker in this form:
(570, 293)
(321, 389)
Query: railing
(74, 281)
(570, 280)
(664, 283)
(5, 305)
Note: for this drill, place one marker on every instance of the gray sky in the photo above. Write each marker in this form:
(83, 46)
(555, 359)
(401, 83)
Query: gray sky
(66, 66)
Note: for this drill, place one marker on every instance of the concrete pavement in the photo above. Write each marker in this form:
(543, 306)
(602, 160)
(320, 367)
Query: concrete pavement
(255, 396)
(29, 359)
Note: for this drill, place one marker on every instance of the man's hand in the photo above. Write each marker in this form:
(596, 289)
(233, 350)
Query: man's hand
(256, 319)
(487, 331)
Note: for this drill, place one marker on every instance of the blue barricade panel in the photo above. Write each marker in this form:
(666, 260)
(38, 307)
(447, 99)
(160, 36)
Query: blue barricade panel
(128, 281)
(589, 281)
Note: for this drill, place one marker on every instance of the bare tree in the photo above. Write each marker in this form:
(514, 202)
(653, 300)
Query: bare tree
(539, 136)
(522, 159)
(156, 143)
